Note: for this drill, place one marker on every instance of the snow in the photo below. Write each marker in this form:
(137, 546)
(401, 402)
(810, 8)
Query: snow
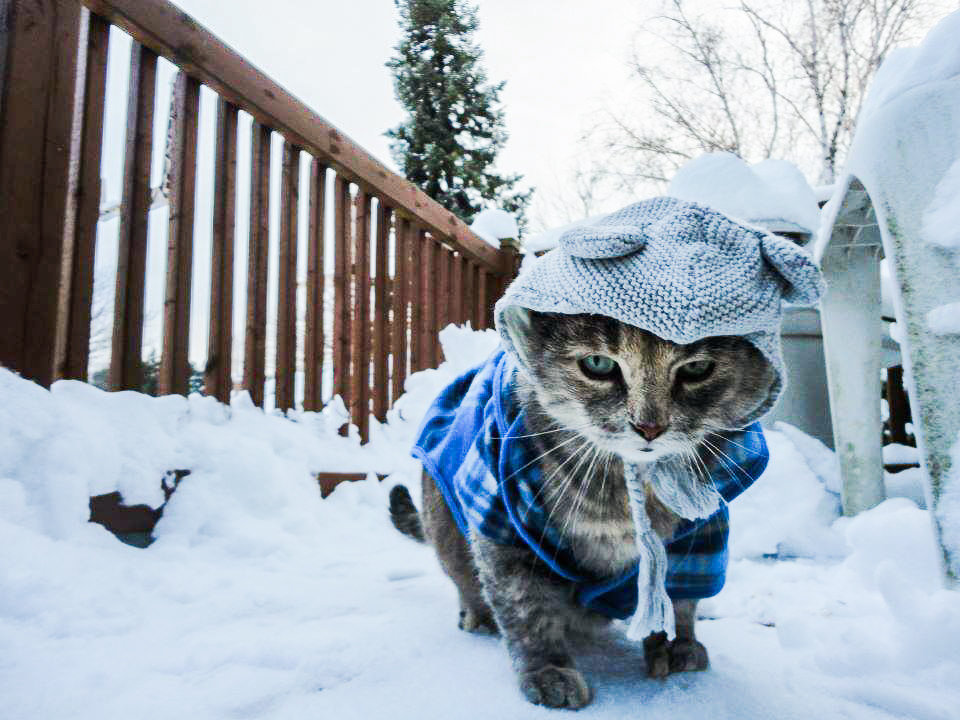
(897, 454)
(493, 225)
(260, 600)
(945, 319)
(941, 220)
(771, 193)
(905, 69)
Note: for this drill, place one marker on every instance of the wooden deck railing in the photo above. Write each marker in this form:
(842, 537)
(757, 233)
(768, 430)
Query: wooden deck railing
(53, 58)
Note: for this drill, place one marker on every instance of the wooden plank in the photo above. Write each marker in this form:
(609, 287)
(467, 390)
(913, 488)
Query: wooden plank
(898, 405)
(481, 299)
(126, 365)
(287, 282)
(39, 43)
(178, 37)
(258, 248)
(381, 312)
(343, 288)
(217, 380)
(313, 352)
(444, 300)
(399, 325)
(415, 268)
(457, 289)
(469, 293)
(328, 481)
(360, 339)
(76, 300)
(440, 300)
(174, 375)
(427, 298)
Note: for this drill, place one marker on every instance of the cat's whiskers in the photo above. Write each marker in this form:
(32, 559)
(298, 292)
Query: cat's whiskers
(564, 486)
(561, 428)
(540, 457)
(569, 479)
(726, 439)
(715, 450)
(580, 495)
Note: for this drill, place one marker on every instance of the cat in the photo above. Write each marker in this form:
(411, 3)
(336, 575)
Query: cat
(599, 393)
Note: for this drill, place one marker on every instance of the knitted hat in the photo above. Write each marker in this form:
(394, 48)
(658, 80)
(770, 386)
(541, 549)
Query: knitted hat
(679, 270)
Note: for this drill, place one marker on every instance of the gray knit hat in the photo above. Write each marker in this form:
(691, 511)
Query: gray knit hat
(676, 269)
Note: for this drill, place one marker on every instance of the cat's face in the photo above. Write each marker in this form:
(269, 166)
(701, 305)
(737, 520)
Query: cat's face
(633, 393)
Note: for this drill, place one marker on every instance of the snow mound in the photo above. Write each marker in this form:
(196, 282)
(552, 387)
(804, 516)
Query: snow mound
(904, 69)
(945, 319)
(260, 600)
(941, 220)
(493, 225)
(772, 193)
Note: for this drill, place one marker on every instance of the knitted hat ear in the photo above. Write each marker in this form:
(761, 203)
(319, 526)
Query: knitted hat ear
(610, 241)
(802, 281)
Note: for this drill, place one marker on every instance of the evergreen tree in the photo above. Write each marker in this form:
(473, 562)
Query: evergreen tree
(454, 125)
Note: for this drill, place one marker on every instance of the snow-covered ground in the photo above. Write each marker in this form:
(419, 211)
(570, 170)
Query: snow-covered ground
(260, 600)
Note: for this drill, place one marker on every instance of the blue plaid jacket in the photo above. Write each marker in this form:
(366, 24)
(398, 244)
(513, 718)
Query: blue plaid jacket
(471, 444)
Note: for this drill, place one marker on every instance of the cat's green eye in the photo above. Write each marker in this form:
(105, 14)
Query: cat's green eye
(696, 370)
(599, 367)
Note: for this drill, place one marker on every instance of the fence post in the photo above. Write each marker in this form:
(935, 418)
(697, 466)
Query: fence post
(39, 41)
(126, 348)
(175, 371)
(510, 249)
(73, 342)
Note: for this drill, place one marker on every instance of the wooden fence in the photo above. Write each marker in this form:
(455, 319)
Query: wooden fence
(53, 61)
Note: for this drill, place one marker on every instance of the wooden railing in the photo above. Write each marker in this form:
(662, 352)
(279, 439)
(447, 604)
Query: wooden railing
(53, 60)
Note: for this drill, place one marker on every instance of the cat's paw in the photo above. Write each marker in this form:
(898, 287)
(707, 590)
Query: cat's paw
(656, 653)
(556, 687)
(687, 655)
(476, 622)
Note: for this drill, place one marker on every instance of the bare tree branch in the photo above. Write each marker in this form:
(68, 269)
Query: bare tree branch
(762, 79)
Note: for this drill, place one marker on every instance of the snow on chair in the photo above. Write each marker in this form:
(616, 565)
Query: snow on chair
(900, 196)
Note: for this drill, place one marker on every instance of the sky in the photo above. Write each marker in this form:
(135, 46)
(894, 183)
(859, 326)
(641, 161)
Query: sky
(562, 60)
(565, 64)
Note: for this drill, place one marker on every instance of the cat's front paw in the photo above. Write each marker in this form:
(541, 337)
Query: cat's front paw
(687, 655)
(556, 687)
(656, 653)
(481, 623)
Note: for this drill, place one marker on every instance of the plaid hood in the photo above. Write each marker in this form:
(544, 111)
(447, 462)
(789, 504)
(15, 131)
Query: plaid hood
(472, 444)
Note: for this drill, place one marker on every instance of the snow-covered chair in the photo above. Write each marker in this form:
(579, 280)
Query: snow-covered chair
(899, 197)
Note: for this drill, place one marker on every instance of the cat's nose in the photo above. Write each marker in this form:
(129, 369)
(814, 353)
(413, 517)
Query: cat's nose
(651, 431)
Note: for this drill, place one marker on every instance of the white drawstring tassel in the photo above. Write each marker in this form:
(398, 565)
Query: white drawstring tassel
(654, 609)
(686, 496)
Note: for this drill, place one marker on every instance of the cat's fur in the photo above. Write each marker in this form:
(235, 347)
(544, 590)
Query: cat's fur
(584, 428)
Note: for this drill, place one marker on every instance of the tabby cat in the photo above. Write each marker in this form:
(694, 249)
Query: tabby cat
(597, 393)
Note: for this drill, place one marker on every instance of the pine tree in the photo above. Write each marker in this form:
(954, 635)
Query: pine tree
(454, 125)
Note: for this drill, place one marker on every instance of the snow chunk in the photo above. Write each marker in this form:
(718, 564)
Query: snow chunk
(941, 220)
(494, 224)
(897, 454)
(772, 193)
(948, 505)
(802, 508)
(945, 319)
(936, 59)
(908, 484)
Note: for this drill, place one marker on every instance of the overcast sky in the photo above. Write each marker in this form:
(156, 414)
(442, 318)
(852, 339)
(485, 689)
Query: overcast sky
(563, 61)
